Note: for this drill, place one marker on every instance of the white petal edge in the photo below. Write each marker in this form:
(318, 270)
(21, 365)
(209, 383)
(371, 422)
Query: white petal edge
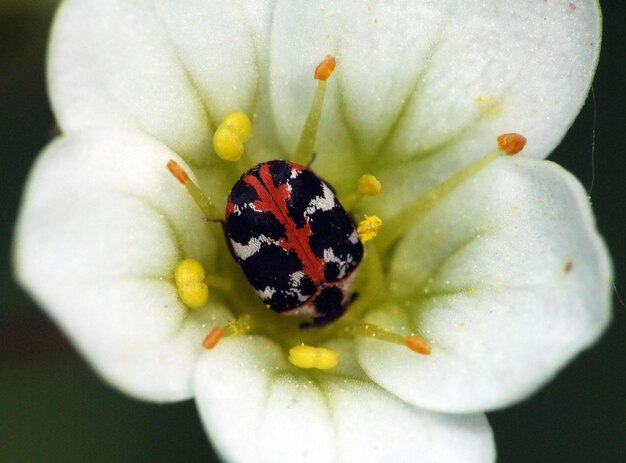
(168, 69)
(101, 227)
(412, 78)
(507, 278)
(258, 408)
(436, 72)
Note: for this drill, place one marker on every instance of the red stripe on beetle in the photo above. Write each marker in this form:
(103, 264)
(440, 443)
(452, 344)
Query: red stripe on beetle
(274, 201)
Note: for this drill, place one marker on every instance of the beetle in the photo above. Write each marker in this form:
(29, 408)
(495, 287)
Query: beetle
(296, 244)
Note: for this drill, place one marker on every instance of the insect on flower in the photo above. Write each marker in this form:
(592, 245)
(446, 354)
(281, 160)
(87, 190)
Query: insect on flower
(296, 244)
(293, 239)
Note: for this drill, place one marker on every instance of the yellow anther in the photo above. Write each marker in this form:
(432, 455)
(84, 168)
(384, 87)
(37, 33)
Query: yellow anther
(321, 358)
(369, 185)
(230, 136)
(369, 227)
(189, 277)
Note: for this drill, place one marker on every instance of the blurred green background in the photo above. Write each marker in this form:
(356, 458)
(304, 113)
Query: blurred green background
(53, 408)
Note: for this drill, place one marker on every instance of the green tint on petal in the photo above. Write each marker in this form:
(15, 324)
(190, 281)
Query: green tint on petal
(413, 79)
(277, 412)
(506, 278)
(101, 227)
(430, 79)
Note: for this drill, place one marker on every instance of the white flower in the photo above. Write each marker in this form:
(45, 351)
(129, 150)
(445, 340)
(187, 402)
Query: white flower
(506, 276)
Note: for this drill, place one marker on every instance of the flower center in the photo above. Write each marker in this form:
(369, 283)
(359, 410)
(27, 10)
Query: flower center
(298, 247)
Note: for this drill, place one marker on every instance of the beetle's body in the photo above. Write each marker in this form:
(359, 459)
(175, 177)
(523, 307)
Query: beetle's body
(295, 242)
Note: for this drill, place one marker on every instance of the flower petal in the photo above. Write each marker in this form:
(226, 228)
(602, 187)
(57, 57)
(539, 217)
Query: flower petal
(507, 279)
(101, 228)
(418, 79)
(171, 70)
(257, 407)
(413, 79)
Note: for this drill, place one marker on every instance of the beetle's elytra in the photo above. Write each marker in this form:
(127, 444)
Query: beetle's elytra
(295, 242)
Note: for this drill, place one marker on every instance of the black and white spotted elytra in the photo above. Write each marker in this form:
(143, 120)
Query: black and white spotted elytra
(295, 242)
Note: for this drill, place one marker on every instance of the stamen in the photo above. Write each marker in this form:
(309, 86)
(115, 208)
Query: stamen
(368, 330)
(325, 68)
(234, 327)
(230, 136)
(369, 227)
(369, 185)
(304, 356)
(306, 145)
(511, 143)
(223, 283)
(189, 277)
(418, 345)
(213, 338)
(204, 203)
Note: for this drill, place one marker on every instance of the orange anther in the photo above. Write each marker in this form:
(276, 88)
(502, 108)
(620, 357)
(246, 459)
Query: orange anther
(511, 143)
(325, 68)
(177, 171)
(417, 344)
(213, 338)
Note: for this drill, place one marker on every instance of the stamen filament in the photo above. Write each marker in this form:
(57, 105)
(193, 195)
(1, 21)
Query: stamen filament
(219, 282)
(306, 145)
(395, 227)
(204, 203)
(369, 330)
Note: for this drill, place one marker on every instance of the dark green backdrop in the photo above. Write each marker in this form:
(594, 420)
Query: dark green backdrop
(53, 408)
